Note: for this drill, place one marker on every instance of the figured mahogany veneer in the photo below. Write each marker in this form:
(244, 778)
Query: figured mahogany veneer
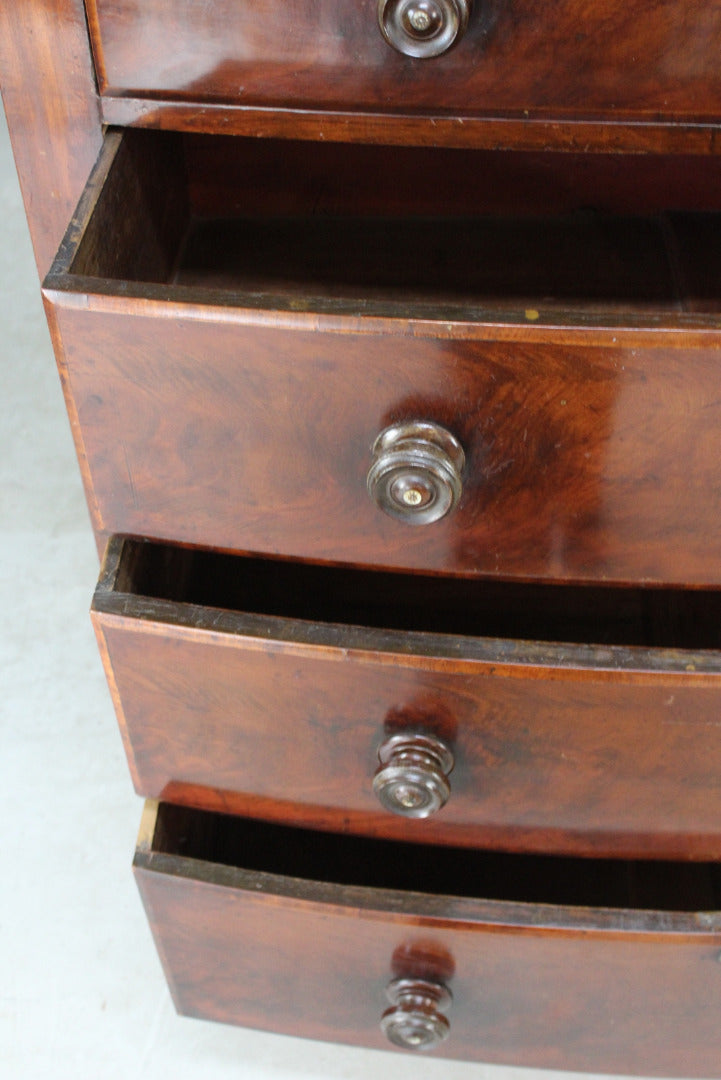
(232, 357)
(580, 720)
(611, 967)
(573, 74)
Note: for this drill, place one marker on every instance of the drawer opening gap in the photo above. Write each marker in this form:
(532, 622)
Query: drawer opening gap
(298, 225)
(384, 864)
(434, 604)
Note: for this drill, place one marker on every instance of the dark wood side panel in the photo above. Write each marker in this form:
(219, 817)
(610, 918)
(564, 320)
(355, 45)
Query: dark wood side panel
(52, 108)
(269, 178)
(585, 462)
(133, 214)
(628, 995)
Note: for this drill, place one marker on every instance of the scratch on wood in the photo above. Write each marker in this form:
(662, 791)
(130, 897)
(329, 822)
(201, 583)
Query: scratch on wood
(133, 491)
(494, 469)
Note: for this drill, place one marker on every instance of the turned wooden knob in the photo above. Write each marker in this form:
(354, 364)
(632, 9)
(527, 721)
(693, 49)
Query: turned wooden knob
(416, 471)
(416, 1021)
(423, 28)
(412, 779)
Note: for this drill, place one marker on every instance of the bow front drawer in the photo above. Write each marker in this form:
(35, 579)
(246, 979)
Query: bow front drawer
(401, 59)
(554, 718)
(263, 352)
(604, 966)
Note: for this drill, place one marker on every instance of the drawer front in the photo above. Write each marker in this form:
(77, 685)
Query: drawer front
(568, 61)
(228, 384)
(580, 462)
(553, 747)
(546, 985)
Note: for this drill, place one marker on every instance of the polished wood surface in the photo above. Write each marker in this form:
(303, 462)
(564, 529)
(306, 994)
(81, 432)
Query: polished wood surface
(48, 88)
(571, 984)
(278, 707)
(585, 461)
(572, 61)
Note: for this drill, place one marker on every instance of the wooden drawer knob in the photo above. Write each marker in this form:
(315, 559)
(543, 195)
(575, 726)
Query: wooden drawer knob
(416, 472)
(412, 779)
(423, 28)
(416, 1021)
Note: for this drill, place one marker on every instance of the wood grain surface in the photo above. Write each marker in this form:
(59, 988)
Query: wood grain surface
(560, 745)
(236, 405)
(48, 87)
(577, 61)
(546, 985)
(585, 461)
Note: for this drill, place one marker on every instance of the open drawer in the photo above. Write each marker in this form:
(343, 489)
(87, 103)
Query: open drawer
(240, 322)
(551, 719)
(604, 966)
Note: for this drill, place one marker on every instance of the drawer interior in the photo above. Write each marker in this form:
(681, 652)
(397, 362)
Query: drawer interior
(383, 864)
(656, 618)
(294, 223)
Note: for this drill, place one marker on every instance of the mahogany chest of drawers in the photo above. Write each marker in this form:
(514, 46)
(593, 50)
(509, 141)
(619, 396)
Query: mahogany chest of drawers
(390, 337)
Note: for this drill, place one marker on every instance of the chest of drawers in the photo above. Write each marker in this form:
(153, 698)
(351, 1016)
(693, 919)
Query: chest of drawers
(394, 379)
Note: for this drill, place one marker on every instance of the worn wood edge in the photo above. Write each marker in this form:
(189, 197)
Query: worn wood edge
(110, 565)
(435, 911)
(109, 151)
(401, 648)
(148, 822)
(108, 577)
(93, 23)
(629, 135)
(131, 299)
(117, 701)
(76, 429)
(492, 656)
(146, 835)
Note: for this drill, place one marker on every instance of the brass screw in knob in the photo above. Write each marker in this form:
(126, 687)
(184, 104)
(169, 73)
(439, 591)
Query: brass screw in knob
(422, 19)
(412, 778)
(416, 472)
(423, 28)
(416, 1022)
